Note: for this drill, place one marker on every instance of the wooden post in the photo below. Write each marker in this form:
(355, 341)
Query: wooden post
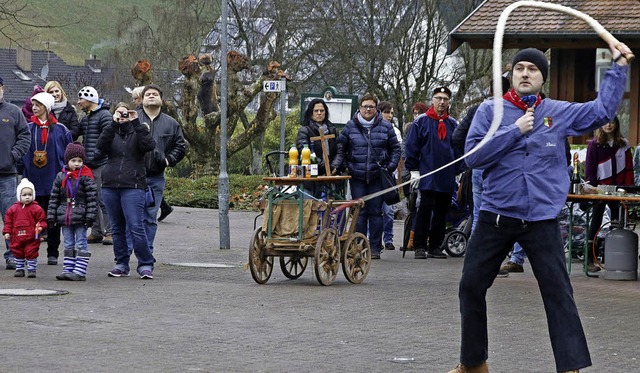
(325, 150)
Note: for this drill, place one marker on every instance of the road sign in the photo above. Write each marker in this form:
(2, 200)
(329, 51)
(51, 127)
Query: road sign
(274, 86)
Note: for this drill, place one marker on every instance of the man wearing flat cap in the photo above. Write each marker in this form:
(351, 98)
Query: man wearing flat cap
(427, 148)
(15, 139)
(525, 184)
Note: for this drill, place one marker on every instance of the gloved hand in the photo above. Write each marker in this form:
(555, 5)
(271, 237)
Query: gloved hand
(415, 179)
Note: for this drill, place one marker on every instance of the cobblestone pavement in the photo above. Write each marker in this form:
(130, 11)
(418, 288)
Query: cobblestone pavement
(403, 318)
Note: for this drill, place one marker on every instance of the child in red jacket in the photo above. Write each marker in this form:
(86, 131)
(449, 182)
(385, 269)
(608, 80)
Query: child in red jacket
(23, 223)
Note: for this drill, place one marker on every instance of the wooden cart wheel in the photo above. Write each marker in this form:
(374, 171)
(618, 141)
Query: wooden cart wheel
(327, 256)
(293, 266)
(260, 264)
(356, 258)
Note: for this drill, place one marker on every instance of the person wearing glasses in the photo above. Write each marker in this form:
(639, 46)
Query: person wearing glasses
(370, 144)
(428, 147)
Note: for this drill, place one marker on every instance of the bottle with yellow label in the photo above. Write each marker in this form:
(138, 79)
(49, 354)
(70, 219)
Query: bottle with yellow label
(293, 161)
(306, 161)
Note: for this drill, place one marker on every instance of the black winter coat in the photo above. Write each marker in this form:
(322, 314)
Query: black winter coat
(92, 126)
(170, 143)
(84, 208)
(69, 118)
(125, 145)
(336, 155)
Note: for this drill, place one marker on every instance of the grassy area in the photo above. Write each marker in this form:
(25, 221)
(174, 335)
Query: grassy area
(91, 25)
(203, 192)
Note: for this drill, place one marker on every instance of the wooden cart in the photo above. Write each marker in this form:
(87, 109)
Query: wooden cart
(313, 229)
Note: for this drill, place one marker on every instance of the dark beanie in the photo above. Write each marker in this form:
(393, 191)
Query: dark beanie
(536, 57)
(74, 150)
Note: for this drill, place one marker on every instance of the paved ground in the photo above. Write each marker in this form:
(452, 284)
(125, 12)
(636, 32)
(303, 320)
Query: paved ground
(403, 318)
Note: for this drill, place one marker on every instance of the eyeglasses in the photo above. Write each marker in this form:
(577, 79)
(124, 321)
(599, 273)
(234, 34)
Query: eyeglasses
(367, 107)
(440, 98)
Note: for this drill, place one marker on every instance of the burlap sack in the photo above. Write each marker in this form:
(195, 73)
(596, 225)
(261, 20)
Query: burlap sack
(285, 215)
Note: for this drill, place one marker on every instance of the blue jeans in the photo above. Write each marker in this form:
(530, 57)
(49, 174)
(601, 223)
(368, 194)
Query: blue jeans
(370, 217)
(489, 244)
(8, 185)
(125, 208)
(75, 237)
(387, 223)
(518, 255)
(156, 183)
(476, 188)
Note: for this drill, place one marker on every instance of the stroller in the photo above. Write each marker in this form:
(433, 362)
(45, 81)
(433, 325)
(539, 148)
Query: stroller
(459, 223)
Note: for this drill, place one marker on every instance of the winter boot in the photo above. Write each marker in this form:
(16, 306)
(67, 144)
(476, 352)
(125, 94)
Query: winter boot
(32, 264)
(68, 264)
(19, 267)
(80, 270)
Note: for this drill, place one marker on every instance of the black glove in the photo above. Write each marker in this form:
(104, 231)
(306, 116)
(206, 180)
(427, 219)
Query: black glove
(51, 223)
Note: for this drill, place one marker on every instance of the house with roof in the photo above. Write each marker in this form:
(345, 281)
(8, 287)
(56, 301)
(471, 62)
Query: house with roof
(578, 56)
(23, 69)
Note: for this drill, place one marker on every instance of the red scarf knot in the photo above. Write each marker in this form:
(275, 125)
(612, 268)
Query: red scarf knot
(442, 128)
(44, 126)
(513, 98)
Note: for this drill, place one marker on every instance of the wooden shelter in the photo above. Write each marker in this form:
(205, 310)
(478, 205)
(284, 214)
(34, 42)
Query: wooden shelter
(576, 63)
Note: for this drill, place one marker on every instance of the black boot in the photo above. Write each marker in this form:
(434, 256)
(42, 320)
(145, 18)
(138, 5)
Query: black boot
(165, 210)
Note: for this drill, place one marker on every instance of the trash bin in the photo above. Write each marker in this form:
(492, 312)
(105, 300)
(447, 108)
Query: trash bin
(621, 255)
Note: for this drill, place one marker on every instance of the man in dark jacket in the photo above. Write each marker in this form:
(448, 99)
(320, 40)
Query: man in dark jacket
(170, 149)
(14, 143)
(427, 148)
(97, 118)
(370, 144)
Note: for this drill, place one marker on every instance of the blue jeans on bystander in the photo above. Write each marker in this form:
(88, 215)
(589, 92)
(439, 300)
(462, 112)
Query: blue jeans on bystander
(8, 185)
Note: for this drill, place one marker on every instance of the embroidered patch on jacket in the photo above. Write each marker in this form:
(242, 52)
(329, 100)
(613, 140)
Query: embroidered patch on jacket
(548, 122)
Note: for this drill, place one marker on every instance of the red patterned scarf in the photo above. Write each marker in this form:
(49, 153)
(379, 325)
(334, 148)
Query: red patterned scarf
(513, 98)
(442, 129)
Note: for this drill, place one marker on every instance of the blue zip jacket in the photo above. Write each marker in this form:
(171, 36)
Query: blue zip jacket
(362, 161)
(525, 176)
(424, 151)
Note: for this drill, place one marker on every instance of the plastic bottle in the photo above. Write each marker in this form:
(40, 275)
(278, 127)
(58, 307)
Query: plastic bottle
(306, 161)
(293, 161)
(314, 164)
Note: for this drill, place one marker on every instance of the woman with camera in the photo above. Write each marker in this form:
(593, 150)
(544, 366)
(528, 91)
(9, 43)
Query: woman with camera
(125, 143)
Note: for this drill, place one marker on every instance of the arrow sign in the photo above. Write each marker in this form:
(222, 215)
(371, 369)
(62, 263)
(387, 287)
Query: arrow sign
(274, 86)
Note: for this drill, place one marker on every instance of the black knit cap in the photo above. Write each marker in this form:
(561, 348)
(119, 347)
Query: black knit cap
(536, 57)
(74, 150)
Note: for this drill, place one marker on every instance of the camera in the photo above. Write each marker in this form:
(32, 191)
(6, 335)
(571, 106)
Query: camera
(124, 114)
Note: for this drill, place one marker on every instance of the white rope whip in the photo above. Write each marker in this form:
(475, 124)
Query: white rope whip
(497, 75)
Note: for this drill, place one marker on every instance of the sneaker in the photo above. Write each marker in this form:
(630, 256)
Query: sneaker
(117, 272)
(389, 246)
(75, 277)
(107, 240)
(420, 254)
(503, 273)
(31, 274)
(94, 238)
(19, 273)
(513, 267)
(52, 261)
(164, 213)
(148, 275)
(11, 264)
(436, 255)
(482, 368)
